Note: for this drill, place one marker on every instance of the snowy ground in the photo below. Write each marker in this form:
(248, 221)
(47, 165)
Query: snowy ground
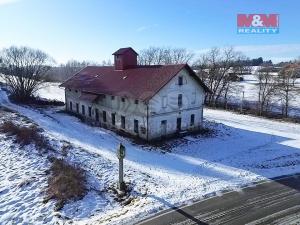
(245, 150)
(250, 88)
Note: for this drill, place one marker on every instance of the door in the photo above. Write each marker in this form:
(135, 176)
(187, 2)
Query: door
(178, 124)
(136, 126)
(123, 122)
(163, 128)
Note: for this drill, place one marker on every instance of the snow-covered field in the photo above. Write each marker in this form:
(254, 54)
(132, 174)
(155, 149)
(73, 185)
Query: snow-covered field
(250, 88)
(245, 149)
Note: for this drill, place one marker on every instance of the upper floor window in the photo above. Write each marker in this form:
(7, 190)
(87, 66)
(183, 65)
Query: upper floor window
(164, 101)
(123, 99)
(136, 102)
(180, 100)
(180, 80)
(112, 97)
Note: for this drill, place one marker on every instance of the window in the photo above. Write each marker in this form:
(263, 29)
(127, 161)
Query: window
(76, 91)
(136, 102)
(112, 97)
(104, 116)
(90, 111)
(193, 98)
(178, 126)
(70, 89)
(180, 100)
(123, 99)
(77, 107)
(97, 114)
(164, 101)
(123, 122)
(180, 81)
(136, 126)
(71, 106)
(192, 120)
(83, 110)
(113, 119)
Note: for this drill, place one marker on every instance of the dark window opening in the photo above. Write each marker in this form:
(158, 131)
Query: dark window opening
(136, 102)
(90, 111)
(71, 106)
(123, 122)
(180, 81)
(180, 100)
(192, 120)
(76, 91)
(178, 124)
(136, 126)
(113, 119)
(83, 110)
(123, 99)
(104, 116)
(112, 97)
(77, 107)
(97, 114)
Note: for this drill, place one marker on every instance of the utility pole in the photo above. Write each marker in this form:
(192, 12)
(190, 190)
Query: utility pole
(121, 152)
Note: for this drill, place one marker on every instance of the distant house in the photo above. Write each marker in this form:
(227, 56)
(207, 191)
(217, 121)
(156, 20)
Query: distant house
(146, 101)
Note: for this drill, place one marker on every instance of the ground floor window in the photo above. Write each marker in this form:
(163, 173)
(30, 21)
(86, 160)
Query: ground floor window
(97, 114)
(163, 127)
(104, 116)
(90, 111)
(83, 110)
(123, 122)
(71, 106)
(178, 124)
(77, 107)
(113, 119)
(192, 119)
(136, 126)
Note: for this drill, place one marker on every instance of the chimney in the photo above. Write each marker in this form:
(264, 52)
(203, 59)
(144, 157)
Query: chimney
(125, 58)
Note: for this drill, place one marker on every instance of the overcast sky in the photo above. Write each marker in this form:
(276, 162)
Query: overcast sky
(94, 29)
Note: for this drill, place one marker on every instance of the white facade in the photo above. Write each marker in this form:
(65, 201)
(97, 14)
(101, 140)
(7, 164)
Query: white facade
(161, 116)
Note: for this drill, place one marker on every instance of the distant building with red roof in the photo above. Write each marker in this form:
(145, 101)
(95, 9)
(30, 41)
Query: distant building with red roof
(146, 101)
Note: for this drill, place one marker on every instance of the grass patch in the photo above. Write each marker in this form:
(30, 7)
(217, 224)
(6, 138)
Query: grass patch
(66, 182)
(26, 135)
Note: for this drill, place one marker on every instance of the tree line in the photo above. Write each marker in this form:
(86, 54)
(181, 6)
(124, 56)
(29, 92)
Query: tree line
(25, 70)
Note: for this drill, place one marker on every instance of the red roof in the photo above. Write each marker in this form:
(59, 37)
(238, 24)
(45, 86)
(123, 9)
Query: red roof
(121, 51)
(141, 82)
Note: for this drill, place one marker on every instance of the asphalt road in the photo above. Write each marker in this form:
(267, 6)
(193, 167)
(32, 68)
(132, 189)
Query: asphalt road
(274, 202)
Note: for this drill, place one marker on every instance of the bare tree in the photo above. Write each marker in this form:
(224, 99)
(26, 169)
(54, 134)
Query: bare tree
(23, 69)
(215, 68)
(164, 55)
(267, 89)
(65, 71)
(286, 84)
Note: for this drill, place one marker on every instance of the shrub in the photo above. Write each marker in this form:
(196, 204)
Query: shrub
(26, 135)
(67, 182)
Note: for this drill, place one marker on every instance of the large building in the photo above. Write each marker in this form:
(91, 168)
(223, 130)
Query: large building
(146, 101)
